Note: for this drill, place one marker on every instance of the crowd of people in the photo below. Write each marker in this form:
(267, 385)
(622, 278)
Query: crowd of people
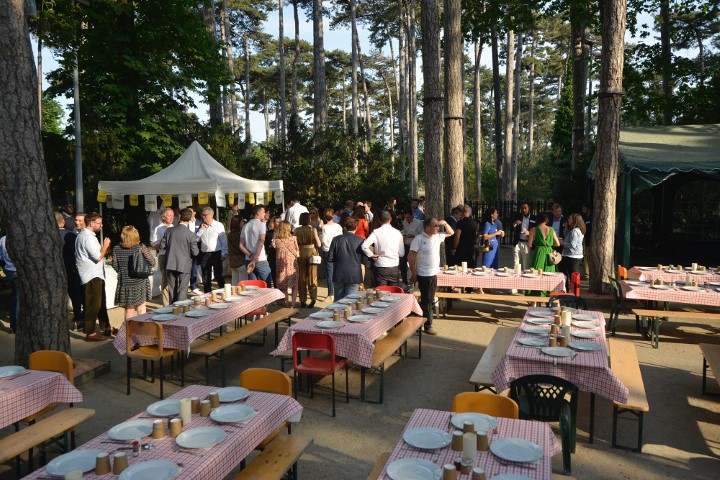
(354, 245)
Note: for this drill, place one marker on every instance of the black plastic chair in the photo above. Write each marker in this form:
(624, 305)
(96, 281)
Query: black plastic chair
(549, 399)
(617, 306)
(569, 301)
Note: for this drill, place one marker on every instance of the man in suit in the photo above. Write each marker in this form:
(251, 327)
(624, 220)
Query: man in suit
(347, 256)
(557, 222)
(74, 289)
(522, 224)
(180, 246)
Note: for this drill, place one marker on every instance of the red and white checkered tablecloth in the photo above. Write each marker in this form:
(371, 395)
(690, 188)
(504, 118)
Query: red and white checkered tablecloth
(537, 432)
(710, 296)
(182, 332)
(652, 273)
(588, 370)
(219, 460)
(355, 340)
(555, 282)
(27, 394)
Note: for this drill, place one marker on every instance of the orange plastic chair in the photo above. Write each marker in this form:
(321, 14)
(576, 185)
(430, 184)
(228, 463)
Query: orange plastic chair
(270, 381)
(487, 403)
(50, 361)
(255, 283)
(149, 352)
(622, 273)
(390, 288)
(316, 365)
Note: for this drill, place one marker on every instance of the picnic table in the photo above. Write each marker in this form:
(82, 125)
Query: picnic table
(588, 370)
(181, 332)
(211, 463)
(673, 275)
(497, 279)
(355, 341)
(32, 390)
(536, 432)
(666, 294)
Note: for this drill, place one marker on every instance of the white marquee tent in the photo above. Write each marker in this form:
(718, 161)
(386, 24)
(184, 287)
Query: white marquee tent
(195, 171)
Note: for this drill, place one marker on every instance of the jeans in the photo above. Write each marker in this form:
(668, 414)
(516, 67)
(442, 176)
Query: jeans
(329, 269)
(387, 276)
(342, 290)
(404, 266)
(14, 298)
(427, 286)
(261, 272)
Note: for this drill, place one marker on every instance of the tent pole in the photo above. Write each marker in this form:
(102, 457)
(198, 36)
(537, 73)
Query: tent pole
(102, 239)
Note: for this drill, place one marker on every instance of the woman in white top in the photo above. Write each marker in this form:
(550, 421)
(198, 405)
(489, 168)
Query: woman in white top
(329, 231)
(572, 247)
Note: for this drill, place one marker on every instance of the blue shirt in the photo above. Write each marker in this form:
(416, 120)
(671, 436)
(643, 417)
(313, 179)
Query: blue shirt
(490, 228)
(9, 266)
(419, 214)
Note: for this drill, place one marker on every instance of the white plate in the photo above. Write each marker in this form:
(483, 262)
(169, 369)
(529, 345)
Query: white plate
(345, 301)
(380, 304)
(183, 303)
(328, 324)
(83, 460)
(541, 313)
(414, 469)
(637, 283)
(693, 289)
(197, 313)
(219, 306)
(232, 413)
(251, 287)
(200, 437)
(647, 269)
(588, 346)
(558, 351)
(699, 272)
(372, 310)
(536, 330)
(450, 272)
(540, 321)
(582, 316)
(533, 341)
(531, 275)
(389, 298)
(503, 274)
(359, 318)
(516, 450)
(675, 271)
(151, 470)
(357, 295)
(130, 430)
(11, 370)
(164, 408)
(661, 287)
(551, 274)
(249, 293)
(585, 334)
(510, 476)
(164, 317)
(480, 273)
(336, 306)
(482, 422)
(322, 314)
(232, 394)
(427, 438)
(569, 309)
(585, 324)
(163, 310)
(713, 284)
(234, 299)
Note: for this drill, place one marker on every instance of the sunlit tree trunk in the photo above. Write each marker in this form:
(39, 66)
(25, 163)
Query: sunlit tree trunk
(247, 94)
(477, 123)
(531, 99)
(319, 91)
(580, 52)
(432, 108)
(454, 99)
(281, 112)
(353, 73)
(402, 103)
(412, 103)
(368, 119)
(499, 160)
(666, 59)
(227, 34)
(296, 59)
(508, 168)
(214, 97)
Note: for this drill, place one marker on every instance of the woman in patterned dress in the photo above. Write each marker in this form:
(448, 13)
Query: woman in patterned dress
(131, 293)
(286, 262)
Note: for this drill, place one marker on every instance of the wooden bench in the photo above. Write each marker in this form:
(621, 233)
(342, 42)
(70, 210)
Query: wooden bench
(388, 345)
(658, 316)
(484, 297)
(491, 359)
(624, 364)
(711, 359)
(41, 431)
(219, 344)
(278, 457)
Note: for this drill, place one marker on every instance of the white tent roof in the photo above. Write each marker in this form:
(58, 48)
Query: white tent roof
(194, 171)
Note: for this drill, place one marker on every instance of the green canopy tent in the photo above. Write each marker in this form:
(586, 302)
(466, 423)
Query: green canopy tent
(673, 173)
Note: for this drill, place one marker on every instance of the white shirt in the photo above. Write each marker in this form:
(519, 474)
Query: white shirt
(155, 219)
(250, 236)
(389, 246)
(329, 231)
(213, 238)
(524, 227)
(87, 252)
(293, 214)
(158, 234)
(428, 253)
(412, 229)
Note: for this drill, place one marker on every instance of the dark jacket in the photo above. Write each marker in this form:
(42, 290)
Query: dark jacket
(516, 228)
(347, 255)
(180, 246)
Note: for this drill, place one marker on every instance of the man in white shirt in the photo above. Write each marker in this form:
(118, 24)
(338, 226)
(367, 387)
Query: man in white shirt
(194, 226)
(389, 248)
(424, 259)
(89, 256)
(213, 249)
(252, 243)
(167, 216)
(293, 213)
(411, 228)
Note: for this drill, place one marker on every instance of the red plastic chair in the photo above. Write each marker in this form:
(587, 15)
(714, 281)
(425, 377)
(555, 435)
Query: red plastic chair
(255, 283)
(316, 365)
(390, 288)
(575, 284)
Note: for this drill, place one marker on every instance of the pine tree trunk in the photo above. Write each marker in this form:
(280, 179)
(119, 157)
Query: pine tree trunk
(579, 72)
(319, 91)
(432, 108)
(477, 124)
(454, 99)
(499, 161)
(509, 109)
(391, 119)
(296, 60)
(402, 103)
(353, 73)
(516, 120)
(214, 97)
(666, 59)
(282, 119)
(32, 240)
(608, 137)
(366, 97)
(247, 95)
(412, 103)
(531, 99)
(227, 33)
(39, 77)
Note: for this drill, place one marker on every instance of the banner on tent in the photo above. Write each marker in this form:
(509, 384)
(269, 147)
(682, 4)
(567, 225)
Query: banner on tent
(278, 197)
(202, 198)
(231, 198)
(260, 198)
(151, 203)
(101, 196)
(167, 200)
(118, 202)
(220, 199)
(184, 201)
(134, 201)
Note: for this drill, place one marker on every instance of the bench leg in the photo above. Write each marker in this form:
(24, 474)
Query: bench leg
(639, 417)
(333, 393)
(704, 382)
(362, 384)
(222, 366)
(592, 417)
(420, 332)
(207, 370)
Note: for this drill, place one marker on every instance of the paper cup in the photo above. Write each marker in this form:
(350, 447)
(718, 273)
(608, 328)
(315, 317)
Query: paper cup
(457, 441)
(553, 340)
(102, 463)
(562, 340)
(205, 408)
(482, 441)
(74, 475)
(449, 472)
(214, 398)
(175, 427)
(158, 430)
(195, 405)
(120, 463)
(468, 426)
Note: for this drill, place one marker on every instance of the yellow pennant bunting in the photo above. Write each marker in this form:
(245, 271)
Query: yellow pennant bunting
(102, 196)
(134, 200)
(167, 200)
(231, 198)
(202, 198)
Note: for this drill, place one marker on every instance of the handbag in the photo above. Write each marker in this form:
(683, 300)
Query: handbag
(483, 247)
(138, 266)
(554, 257)
(314, 259)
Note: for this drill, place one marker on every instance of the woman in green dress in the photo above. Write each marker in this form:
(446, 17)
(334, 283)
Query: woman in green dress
(541, 240)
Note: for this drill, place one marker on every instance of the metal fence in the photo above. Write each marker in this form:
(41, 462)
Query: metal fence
(507, 211)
